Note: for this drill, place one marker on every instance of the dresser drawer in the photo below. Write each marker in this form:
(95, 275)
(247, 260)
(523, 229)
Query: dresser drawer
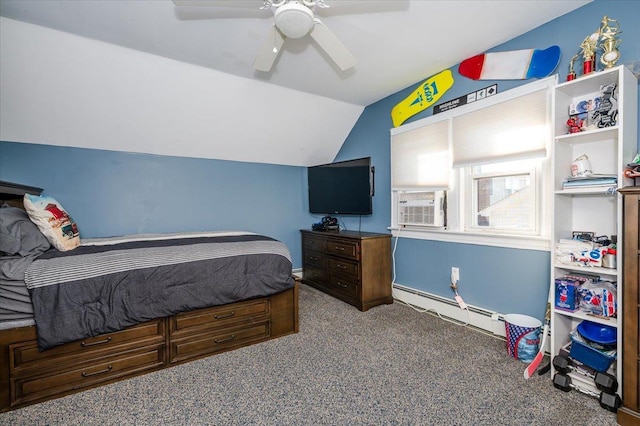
(345, 286)
(314, 274)
(314, 259)
(343, 267)
(26, 356)
(219, 317)
(217, 341)
(89, 373)
(343, 248)
(313, 243)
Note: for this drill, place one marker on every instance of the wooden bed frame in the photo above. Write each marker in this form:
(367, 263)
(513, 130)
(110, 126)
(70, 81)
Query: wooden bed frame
(28, 376)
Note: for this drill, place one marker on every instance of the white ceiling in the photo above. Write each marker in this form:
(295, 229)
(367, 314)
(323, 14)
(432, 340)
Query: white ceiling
(195, 111)
(396, 42)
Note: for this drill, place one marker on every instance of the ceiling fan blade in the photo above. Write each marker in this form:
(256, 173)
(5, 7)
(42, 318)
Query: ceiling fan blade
(332, 46)
(346, 7)
(269, 51)
(251, 4)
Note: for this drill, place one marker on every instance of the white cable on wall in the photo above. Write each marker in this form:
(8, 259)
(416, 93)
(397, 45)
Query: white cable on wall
(421, 310)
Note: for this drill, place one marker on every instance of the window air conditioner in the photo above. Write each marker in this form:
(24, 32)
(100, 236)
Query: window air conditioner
(421, 208)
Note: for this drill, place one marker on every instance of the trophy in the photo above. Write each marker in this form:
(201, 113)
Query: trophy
(572, 73)
(608, 31)
(589, 46)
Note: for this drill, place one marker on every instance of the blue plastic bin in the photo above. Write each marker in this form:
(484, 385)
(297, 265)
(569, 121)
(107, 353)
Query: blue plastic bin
(589, 356)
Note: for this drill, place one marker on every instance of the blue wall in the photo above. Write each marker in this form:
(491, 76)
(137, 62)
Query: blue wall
(115, 193)
(505, 280)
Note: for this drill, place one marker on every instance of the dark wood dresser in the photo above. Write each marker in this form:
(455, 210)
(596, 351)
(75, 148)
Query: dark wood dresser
(629, 413)
(352, 266)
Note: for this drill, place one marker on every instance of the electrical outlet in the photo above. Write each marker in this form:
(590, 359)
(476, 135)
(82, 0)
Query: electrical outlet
(455, 274)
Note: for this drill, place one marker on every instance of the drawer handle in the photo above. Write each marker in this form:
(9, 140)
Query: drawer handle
(341, 285)
(228, 339)
(225, 316)
(101, 342)
(106, 370)
(338, 265)
(338, 248)
(313, 258)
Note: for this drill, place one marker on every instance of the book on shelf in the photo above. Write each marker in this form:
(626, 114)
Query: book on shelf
(593, 176)
(592, 186)
(590, 182)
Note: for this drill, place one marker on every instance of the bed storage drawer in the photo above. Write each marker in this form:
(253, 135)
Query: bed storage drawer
(214, 341)
(207, 331)
(218, 317)
(91, 372)
(29, 376)
(25, 356)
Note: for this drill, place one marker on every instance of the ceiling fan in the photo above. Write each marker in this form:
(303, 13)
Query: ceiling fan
(292, 19)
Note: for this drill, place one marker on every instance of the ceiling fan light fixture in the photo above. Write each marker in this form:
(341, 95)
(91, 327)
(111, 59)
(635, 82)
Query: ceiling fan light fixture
(294, 20)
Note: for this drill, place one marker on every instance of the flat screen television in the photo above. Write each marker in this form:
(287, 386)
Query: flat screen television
(343, 187)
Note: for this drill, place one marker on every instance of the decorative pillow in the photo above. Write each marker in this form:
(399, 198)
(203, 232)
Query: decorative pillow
(53, 221)
(19, 235)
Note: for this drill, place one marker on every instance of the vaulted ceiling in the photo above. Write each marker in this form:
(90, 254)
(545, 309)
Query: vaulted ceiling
(396, 43)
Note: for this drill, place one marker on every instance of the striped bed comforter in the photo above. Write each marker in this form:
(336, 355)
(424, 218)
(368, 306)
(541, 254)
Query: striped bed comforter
(108, 284)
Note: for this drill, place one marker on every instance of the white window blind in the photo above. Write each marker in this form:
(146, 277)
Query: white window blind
(511, 130)
(420, 158)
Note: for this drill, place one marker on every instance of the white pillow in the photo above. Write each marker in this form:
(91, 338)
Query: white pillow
(53, 221)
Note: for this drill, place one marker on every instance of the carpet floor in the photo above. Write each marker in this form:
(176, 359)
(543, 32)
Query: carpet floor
(390, 365)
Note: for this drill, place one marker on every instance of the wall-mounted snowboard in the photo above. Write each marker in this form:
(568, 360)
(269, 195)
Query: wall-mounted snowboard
(423, 97)
(511, 65)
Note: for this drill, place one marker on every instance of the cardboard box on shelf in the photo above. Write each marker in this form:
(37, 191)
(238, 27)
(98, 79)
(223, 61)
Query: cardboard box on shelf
(566, 294)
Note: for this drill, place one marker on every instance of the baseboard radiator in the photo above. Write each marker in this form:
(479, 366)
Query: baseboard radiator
(297, 272)
(483, 320)
(479, 318)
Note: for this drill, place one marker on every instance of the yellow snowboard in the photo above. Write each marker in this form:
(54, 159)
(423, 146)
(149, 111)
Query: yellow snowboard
(423, 97)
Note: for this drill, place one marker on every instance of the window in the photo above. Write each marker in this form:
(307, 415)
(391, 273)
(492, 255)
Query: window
(502, 197)
(420, 158)
(493, 167)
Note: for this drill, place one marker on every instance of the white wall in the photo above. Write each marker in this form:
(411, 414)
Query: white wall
(65, 90)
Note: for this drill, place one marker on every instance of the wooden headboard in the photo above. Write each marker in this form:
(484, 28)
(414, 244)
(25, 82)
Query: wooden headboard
(12, 193)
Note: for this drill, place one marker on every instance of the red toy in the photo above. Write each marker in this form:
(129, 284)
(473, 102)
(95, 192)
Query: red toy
(575, 124)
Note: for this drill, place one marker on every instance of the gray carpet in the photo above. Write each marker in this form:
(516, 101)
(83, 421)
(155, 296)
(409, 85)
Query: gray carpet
(388, 366)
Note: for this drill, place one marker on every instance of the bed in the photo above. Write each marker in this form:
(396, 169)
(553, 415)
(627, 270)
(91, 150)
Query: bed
(112, 308)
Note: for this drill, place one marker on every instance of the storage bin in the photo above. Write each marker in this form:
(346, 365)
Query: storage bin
(589, 356)
(523, 336)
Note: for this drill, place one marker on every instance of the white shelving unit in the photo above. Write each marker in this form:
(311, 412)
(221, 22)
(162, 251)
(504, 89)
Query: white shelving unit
(597, 210)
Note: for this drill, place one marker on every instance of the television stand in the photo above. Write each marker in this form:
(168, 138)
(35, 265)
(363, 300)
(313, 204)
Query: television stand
(352, 266)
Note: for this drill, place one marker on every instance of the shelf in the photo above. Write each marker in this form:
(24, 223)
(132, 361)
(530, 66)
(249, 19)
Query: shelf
(584, 384)
(591, 270)
(589, 136)
(590, 82)
(581, 315)
(609, 190)
(596, 209)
